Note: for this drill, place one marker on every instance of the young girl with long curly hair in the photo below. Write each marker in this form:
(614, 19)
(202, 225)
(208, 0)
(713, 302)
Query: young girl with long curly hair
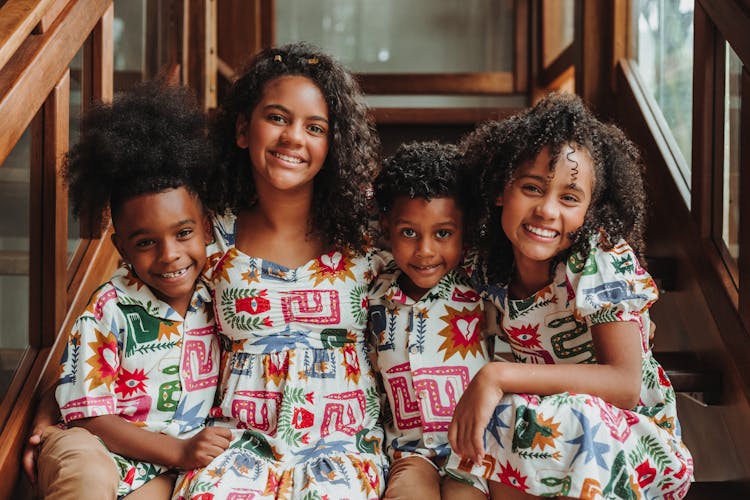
(586, 411)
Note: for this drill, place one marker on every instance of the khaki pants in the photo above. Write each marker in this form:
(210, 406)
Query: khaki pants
(74, 464)
(418, 478)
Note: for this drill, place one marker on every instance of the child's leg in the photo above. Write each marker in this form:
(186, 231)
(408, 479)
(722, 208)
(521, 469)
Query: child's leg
(452, 489)
(413, 477)
(159, 488)
(74, 464)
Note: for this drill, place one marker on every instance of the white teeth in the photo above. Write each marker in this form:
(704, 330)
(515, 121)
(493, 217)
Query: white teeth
(290, 159)
(174, 274)
(426, 268)
(546, 233)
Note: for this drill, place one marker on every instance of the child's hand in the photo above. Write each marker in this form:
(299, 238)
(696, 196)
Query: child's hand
(201, 449)
(47, 415)
(473, 412)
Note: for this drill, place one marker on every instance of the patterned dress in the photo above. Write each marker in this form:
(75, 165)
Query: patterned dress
(132, 355)
(427, 353)
(575, 444)
(296, 386)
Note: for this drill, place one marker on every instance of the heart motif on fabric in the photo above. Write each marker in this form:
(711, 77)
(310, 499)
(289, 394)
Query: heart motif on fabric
(331, 261)
(467, 328)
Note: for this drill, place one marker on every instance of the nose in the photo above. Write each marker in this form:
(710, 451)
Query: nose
(169, 251)
(292, 134)
(425, 247)
(547, 208)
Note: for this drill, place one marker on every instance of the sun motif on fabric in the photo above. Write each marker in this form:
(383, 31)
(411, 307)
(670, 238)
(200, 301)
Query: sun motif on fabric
(332, 266)
(225, 264)
(511, 477)
(462, 332)
(167, 329)
(546, 436)
(132, 280)
(525, 336)
(129, 383)
(105, 361)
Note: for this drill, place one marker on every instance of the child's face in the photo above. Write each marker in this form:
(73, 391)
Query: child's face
(539, 211)
(287, 135)
(163, 236)
(426, 240)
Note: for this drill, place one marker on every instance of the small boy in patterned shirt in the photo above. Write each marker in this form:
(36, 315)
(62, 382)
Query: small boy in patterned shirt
(427, 321)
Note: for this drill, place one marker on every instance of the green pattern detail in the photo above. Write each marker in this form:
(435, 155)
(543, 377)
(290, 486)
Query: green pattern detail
(126, 300)
(367, 444)
(519, 307)
(561, 399)
(526, 428)
(534, 454)
(287, 432)
(153, 347)
(355, 297)
(578, 329)
(591, 267)
(143, 328)
(334, 337)
(624, 264)
(237, 321)
(372, 403)
(606, 315)
(648, 446)
(619, 481)
(562, 485)
(650, 379)
(312, 495)
(255, 442)
(576, 263)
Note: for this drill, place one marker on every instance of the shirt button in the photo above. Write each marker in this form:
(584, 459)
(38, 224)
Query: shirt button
(429, 441)
(422, 394)
(414, 349)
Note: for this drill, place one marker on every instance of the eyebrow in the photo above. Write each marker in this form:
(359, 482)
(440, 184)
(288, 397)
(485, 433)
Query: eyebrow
(287, 111)
(442, 223)
(141, 231)
(575, 187)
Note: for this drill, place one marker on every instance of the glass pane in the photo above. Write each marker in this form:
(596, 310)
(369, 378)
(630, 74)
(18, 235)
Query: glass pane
(129, 28)
(393, 36)
(559, 24)
(76, 103)
(665, 62)
(732, 104)
(14, 259)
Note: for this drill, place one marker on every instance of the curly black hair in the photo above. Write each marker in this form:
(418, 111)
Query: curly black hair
(340, 193)
(148, 140)
(421, 170)
(495, 150)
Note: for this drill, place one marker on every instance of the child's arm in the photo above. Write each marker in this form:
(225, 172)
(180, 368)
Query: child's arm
(124, 438)
(616, 378)
(47, 414)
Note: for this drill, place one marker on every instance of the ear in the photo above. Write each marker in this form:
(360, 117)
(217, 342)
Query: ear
(499, 200)
(117, 242)
(241, 132)
(208, 233)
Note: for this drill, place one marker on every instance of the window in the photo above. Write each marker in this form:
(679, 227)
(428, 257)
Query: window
(664, 40)
(731, 180)
(14, 259)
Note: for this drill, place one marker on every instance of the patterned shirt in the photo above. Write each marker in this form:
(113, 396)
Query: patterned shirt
(130, 354)
(427, 352)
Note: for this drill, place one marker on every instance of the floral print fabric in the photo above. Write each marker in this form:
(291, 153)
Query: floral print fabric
(132, 355)
(575, 444)
(296, 386)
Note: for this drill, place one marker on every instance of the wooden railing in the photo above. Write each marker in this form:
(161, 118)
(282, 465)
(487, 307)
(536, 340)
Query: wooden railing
(38, 41)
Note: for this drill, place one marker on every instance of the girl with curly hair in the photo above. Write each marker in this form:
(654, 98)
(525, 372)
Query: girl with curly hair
(290, 271)
(586, 411)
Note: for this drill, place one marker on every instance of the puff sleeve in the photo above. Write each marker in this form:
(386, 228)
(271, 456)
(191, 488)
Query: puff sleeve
(610, 285)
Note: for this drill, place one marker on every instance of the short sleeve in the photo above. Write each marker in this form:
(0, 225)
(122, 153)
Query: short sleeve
(91, 360)
(610, 285)
(224, 232)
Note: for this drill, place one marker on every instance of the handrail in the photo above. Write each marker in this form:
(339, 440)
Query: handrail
(17, 20)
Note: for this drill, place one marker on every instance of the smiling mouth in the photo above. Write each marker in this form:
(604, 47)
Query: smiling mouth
(290, 159)
(175, 274)
(426, 268)
(544, 233)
